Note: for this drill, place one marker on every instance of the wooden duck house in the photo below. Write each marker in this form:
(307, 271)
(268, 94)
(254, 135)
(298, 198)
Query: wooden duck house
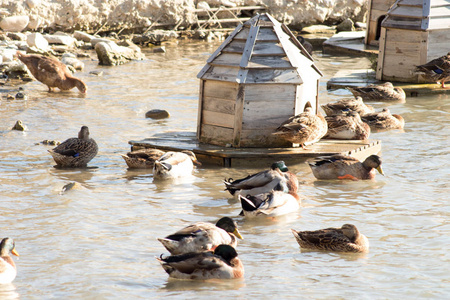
(413, 33)
(259, 77)
(375, 15)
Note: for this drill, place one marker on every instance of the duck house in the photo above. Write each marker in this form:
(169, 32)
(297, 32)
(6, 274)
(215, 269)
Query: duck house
(375, 15)
(259, 77)
(413, 33)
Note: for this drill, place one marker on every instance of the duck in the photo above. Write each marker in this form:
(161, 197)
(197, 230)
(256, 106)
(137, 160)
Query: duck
(8, 270)
(437, 70)
(271, 204)
(305, 128)
(277, 177)
(340, 166)
(347, 127)
(51, 72)
(223, 263)
(175, 164)
(344, 239)
(202, 236)
(75, 152)
(384, 120)
(143, 158)
(380, 92)
(307, 45)
(349, 104)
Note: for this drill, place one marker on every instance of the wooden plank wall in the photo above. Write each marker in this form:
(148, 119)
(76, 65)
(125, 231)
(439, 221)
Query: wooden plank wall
(438, 43)
(377, 8)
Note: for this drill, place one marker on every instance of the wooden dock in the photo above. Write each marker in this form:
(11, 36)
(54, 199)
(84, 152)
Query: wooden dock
(248, 157)
(349, 43)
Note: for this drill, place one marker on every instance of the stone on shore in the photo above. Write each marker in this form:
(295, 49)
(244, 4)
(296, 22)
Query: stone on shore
(346, 25)
(37, 40)
(83, 36)
(60, 38)
(111, 54)
(70, 59)
(314, 29)
(14, 23)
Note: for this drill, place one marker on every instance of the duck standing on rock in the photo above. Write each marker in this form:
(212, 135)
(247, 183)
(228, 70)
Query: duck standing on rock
(344, 239)
(277, 177)
(381, 92)
(305, 128)
(75, 152)
(437, 70)
(223, 263)
(8, 269)
(202, 236)
(347, 127)
(51, 72)
(384, 120)
(346, 167)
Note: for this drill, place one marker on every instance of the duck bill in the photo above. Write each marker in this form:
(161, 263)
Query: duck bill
(237, 234)
(379, 169)
(13, 251)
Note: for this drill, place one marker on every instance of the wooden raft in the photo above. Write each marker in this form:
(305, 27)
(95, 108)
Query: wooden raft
(247, 157)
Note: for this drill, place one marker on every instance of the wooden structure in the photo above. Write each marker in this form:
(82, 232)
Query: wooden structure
(246, 157)
(259, 77)
(413, 33)
(375, 15)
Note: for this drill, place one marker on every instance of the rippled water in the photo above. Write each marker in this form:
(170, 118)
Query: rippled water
(98, 241)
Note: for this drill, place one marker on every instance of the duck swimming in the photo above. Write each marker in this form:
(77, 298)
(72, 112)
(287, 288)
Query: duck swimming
(143, 158)
(51, 72)
(346, 167)
(437, 70)
(202, 236)
(384, 120)
(344, 239)
(380, 92)
(75, 152)
(347, 127)
(175, 164)
(344, 105)
(8, 269)
(271, 204)
(223, 263)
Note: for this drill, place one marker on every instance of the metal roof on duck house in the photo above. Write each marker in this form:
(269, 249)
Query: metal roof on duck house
(261, 50)
(418, 15)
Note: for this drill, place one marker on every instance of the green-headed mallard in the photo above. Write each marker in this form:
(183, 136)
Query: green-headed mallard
(202, 236)
(347, 127)
(344, 239)
(436, 70)
(8, 269)
(384, 120)
(349, 104)
(345, 167)
(223, 263)
(271, 204)
(381, 92)
(75, 152)
(175, 164)
(143, 158)
(305, 128)
(51, 72)
(277, 177)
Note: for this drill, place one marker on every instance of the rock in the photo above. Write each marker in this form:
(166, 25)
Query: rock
(157, 114)
(50, 142)
(319, 29)
(155, 37)
(19, 126)
(111, 54)
(17, 36)
(60, 39)
(14, 23)
(71, 60)
(96, 40)
(346, 25)
(38, 41)
(35, 22)
(161, 49)
(33, 3)
(7, 54)
(96, 73)
(83, 36)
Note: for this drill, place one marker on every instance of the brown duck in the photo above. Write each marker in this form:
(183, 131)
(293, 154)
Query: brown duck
(51, 72)
(384, 120)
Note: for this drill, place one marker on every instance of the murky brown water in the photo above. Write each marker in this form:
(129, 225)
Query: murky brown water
(99, 241)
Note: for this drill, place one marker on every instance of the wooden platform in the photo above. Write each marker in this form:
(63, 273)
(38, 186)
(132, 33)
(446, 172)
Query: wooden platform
(247, 157)
(345, 78)
(349, 43)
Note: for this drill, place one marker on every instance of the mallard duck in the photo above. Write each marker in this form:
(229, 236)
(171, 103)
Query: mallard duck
(346, 167)
(344, 105)
(344, 239)
(202, 236)
(223, 263)
(75, 152)
(143, 158)
(277, 177)
(384, 120)
(437, 70)
(305, 128)
(271, 204)
(51, 72)
(175, 164)
(8, 269)
(347, 127)
(381, 92)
